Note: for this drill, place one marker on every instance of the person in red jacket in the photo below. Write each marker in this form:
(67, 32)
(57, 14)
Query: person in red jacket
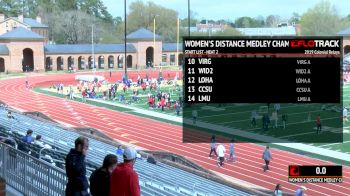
(124, 180)
(143, 85)
(162, 103)
(150, 101)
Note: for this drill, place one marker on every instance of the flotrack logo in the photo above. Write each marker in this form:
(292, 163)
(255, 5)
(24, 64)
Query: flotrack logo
(314, 43)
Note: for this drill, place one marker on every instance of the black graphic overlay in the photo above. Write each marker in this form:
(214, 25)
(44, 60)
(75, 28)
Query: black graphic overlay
(254, 67)
(233, 86)
(315, 173)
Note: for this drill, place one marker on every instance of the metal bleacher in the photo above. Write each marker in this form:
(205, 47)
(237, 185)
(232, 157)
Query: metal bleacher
(155, 179)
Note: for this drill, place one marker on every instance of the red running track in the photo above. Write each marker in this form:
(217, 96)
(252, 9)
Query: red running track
(154, 135)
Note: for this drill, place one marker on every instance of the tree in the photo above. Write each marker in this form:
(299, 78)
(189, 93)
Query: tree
(73, 27)
(272, 20)
(193, 20)
(322, 20)
(243, 22)
(228, 32)
(248, 22)
(66, 4)
(295, 18)
(260, 21)
(117, 20)
(142, 16)
(10, 7)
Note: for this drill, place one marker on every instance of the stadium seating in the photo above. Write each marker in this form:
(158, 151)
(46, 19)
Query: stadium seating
(159, 179)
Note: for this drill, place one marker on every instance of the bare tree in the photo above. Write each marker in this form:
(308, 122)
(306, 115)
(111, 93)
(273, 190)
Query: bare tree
(73, 27)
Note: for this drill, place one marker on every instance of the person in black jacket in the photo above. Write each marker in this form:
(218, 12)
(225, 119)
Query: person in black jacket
(76, 169)
(99, 179)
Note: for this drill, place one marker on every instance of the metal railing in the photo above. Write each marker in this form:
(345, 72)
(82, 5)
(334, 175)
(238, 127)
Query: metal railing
(29, 175)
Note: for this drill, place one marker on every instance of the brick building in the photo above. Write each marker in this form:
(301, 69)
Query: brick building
(35, 25)
(24, 47)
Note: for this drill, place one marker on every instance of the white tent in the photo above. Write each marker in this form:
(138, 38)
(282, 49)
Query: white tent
(89, 78)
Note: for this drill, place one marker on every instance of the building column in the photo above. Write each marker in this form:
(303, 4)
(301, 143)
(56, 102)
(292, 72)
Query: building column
(176, 59)
(63, 66)
(54, 63)
(106, 66)
(167, 59)
(115, 62)
(86, 62)
(76, 62)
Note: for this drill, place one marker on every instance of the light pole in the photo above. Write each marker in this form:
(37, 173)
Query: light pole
(177, 40)
(125, 69)
(189, 21)
(93, 49)
(154, 38)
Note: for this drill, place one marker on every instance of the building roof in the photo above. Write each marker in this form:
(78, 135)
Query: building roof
(33, 23)
(29, 22)
(86, 48)
(142, 34)
(274, 31)
(344, 32)
(21, 33)
(171, 47)
(3, 49)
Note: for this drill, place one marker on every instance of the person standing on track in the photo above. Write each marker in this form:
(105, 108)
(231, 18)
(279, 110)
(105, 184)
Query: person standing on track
(177, 107)
(284, 120)
(212, 146)
(309, 117)
(71, 93)
(221, 154)
(318, 124)
(194, 116)
(266, 121)
(232, 151)
(27, 84)
(274, 117)
(267, 157)
(253, 118)
(83, 96)
(277, 107)
(162, 103)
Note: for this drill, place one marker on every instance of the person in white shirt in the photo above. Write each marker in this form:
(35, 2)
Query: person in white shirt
(221, 154)
(345, 115)
(277, 107)
(274, 117)
(40, 143)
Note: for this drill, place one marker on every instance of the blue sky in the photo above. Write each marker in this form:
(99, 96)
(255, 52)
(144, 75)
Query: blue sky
(232, 9)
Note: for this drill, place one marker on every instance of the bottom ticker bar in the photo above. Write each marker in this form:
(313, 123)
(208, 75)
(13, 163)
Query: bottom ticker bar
(315, 180)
